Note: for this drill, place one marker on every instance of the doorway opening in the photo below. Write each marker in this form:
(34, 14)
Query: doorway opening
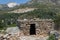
(32, 29)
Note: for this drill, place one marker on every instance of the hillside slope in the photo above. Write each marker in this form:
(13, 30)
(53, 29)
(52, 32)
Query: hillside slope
(31, 5)
(45, 1)
(22, 10)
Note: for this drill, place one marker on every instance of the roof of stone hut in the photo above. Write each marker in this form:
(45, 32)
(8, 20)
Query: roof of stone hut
(35, 19)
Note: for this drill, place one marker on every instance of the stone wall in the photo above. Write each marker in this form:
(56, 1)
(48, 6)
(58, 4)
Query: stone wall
(43, 26)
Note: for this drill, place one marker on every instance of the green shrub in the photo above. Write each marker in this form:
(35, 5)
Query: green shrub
(51, 37)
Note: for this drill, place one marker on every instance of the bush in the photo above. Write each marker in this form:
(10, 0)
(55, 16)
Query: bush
(51, 37)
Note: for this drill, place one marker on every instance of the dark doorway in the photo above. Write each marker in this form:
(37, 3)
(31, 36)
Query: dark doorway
(32, 29)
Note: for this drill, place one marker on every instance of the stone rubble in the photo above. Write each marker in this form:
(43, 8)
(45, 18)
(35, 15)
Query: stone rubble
(43, 26)
(21, 36)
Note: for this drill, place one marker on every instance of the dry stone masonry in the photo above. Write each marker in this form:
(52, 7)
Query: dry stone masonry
(35, 26)
(30, 29)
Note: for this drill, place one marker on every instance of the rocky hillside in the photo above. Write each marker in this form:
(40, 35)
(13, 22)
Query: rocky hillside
(22, 10)
(46, 1)
(3, 7)
(30, 6)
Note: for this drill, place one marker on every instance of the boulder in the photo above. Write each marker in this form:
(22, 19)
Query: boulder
(12, 30)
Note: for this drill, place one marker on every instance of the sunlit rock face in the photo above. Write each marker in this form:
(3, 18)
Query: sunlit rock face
(10, 5)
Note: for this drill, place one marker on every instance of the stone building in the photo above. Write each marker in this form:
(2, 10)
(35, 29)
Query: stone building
(35, 26)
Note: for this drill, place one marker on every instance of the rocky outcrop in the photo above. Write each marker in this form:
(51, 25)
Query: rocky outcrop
(12, 30)
(22, 10)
